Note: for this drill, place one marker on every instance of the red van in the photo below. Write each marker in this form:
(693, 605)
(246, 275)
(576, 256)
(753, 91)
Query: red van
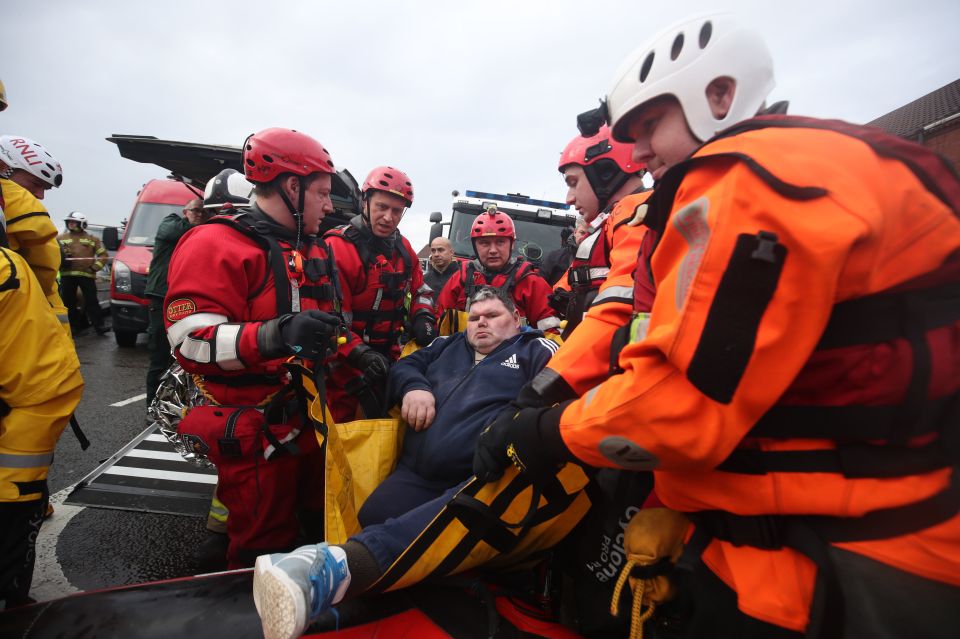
(128, 305)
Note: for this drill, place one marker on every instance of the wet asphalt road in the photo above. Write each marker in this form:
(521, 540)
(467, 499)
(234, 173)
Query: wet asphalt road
(84, 548)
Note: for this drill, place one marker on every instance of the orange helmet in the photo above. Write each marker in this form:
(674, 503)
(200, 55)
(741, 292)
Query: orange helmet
(389, 180)
(275, 151)
(608, 164)
(493, 223)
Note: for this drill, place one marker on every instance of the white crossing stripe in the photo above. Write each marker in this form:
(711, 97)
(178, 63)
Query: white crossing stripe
(130, 471)
(155, 454)
(131, 400)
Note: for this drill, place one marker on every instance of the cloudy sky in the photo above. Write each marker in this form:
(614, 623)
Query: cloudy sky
(478, 95)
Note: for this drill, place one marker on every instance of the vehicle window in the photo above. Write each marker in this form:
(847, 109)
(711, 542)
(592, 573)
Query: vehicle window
(143, 224)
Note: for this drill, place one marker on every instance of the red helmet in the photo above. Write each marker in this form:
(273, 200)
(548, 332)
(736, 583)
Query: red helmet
(585, 151)
(389, 180)
(275, 151)
(493, 223)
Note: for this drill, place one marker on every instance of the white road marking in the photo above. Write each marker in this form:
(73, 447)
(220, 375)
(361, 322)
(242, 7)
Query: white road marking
(155, 454)
(130, 471)
(49, 582)
(131, 400)
(156, 437)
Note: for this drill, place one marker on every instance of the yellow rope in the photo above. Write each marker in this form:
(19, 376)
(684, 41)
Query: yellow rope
(622, 579)
(637, 615)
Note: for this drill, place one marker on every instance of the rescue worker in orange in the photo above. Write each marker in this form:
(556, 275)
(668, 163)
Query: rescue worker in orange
(244, 293)
(599, 173)
(795, 386)
(378, 269)
(493, 235)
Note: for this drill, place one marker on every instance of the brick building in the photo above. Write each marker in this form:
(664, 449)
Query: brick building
(933, 121)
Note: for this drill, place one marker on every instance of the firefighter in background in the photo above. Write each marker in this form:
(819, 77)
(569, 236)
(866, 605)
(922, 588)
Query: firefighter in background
(599, 173)
(27, 171)
(245, 292)
(84, 257)
(493, 236)
(378, 269)
(40, 387)
(794, 388)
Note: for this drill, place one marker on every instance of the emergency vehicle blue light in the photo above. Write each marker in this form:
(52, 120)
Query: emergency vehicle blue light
(516, 200)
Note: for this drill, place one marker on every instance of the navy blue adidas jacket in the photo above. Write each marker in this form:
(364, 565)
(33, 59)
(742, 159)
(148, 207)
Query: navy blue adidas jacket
(467, 396)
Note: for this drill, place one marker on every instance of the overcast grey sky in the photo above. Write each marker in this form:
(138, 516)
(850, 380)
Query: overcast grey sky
(478, 95)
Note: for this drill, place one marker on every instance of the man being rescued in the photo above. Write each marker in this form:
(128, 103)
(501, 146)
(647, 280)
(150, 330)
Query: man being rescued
(448, 393)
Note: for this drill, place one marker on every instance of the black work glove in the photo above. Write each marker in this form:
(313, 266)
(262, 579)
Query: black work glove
(546, 389)
(373, 364)
(424, 329)
(559, 301)
(529, 438)
(311, 335)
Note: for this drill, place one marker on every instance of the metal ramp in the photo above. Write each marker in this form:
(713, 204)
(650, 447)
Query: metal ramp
(148, 475)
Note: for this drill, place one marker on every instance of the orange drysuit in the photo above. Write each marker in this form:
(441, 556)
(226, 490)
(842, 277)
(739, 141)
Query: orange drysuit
(807, 289)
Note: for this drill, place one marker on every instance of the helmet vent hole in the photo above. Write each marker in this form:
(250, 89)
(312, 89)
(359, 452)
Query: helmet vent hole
(677, 46)
(267, 158)
(250, 162)
(383, 183)
(705, 32)
(647, 65)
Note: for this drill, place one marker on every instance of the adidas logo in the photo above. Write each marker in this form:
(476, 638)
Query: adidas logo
(511, 362)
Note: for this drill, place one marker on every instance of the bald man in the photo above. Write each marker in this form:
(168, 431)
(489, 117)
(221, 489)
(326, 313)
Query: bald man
(439, 267)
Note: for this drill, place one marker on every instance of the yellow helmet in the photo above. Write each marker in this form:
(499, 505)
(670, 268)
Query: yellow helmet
(3, 97)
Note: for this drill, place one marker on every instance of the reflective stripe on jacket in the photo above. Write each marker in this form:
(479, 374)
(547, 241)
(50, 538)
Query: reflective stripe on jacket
(84, 254)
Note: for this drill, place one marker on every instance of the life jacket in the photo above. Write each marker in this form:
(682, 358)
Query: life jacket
(454, 320)
(313, 278)
(889, 430)
(378, 310)
(587, 272)
(508, 278)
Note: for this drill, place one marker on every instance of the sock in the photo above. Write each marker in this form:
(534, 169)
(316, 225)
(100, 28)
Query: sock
(363, 567)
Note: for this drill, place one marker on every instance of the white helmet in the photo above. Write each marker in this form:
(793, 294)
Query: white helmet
(682, 61)
(227, 187)
(77, 216)
(18, 152)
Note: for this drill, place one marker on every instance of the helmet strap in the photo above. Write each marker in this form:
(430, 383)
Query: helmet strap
(296, 212)
(606, 178)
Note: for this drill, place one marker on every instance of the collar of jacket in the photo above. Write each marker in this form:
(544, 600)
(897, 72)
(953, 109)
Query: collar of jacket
(381, 245)
(266, 225)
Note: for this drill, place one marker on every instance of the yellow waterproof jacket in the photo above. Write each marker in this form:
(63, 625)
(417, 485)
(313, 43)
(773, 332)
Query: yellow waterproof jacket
(40, 383)
(32, 234)
(84, 254)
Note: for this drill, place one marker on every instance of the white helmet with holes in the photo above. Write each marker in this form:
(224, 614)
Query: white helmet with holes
(18, 152)
(79, 217)
(682, 61)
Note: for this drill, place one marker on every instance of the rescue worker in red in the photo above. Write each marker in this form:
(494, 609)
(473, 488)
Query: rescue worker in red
(493, 235)
(245, 292)
(378, 270)
(599, 173)
(795, 386)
